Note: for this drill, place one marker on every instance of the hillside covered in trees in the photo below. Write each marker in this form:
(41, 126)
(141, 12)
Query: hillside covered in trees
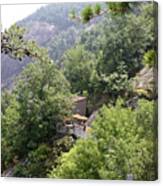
(79, 92)
(46, 28)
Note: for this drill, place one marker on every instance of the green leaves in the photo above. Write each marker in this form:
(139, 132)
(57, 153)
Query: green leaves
(35, 165)
(122, 39)
(91, 11)
(149, 58)
(78, 65)
(97, 9)
(12, 42)
(118, 7)
(116, 147)
(69, 166)
(122, 141)
(41, 100)
(87, 13)
(16, 46)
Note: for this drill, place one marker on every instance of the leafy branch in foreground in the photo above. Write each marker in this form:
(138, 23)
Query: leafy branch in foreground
(14, 44)
(92, 11)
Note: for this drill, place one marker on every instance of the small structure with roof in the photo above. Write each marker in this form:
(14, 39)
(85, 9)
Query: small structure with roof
(80, 104)
(75, 124)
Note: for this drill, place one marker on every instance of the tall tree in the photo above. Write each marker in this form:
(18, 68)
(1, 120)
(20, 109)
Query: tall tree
(41, 100)
(78, 65)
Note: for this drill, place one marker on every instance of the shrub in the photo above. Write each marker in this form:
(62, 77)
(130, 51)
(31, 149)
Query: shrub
(122, 144)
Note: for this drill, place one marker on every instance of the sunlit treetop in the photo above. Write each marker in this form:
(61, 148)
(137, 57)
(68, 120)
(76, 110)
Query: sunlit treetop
(150, 58)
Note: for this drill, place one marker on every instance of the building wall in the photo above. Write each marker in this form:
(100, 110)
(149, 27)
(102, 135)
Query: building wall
(80, 107)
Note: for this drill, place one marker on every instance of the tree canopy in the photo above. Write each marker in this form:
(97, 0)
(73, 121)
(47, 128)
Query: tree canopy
(40, 101)
(111, 59)
(117, 147)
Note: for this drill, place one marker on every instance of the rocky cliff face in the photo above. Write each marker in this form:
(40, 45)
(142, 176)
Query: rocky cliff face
(145, 82)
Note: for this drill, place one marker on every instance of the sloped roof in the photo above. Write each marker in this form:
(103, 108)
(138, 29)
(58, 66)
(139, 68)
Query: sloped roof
(79, 117)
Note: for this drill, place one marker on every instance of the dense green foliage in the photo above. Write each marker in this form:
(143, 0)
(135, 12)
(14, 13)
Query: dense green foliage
(87, 13)
(40, 160)
(112, 55)
(116, 148)
(40, 101)
(60, 43)
(35, 164)
(149, 58)
(122, 38)
(97, 9)
(13, 43)
(118, 44)
(78, 66)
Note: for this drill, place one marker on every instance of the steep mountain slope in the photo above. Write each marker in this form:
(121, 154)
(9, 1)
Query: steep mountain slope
(48, 26)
